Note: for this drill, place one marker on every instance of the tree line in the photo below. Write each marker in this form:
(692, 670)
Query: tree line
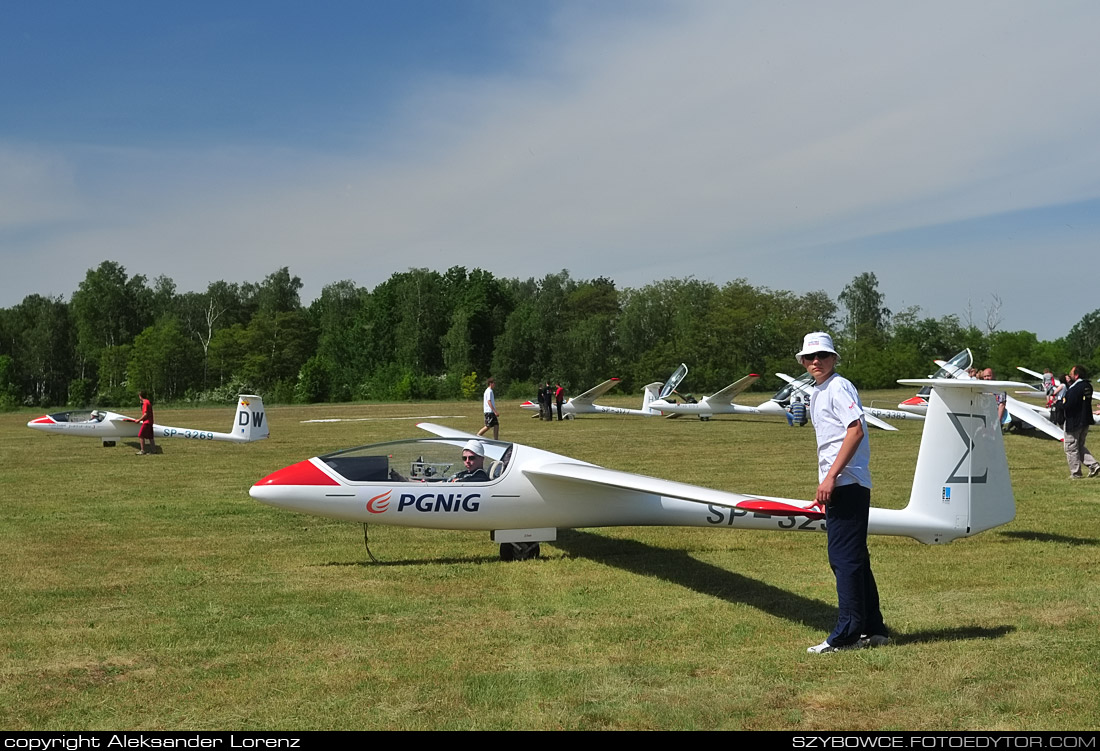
(423, 334)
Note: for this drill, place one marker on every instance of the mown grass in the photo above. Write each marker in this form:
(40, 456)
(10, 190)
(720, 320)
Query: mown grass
(152, 592)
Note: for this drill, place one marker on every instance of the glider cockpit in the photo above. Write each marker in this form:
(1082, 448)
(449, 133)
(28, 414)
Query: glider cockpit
(414, 460)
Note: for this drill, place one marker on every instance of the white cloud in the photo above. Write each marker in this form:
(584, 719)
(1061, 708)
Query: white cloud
(708, 139)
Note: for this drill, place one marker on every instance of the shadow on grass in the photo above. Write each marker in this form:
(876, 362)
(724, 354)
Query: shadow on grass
(677, 567)
(953, 634)
(418, 561)
(1046, 537)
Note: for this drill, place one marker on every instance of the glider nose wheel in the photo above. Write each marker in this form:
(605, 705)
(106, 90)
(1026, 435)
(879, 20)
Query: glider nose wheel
(518, 551)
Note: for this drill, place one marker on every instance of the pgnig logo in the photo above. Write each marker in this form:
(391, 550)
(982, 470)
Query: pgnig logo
(426, 503)
(379, 503)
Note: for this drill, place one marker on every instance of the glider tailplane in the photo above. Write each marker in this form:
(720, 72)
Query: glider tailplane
(250, 422)
(961, 485)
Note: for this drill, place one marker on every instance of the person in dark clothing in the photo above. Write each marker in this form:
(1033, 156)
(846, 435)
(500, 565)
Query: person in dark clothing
(1078, 413)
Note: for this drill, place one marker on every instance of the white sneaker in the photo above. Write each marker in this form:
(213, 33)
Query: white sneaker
(825, 647)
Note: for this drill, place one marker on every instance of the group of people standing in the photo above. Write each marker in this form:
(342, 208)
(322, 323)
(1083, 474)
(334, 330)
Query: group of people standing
(548, 397)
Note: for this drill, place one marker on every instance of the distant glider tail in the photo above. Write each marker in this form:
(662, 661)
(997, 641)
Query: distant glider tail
(961, 485)
(652, 393)
(250, 422)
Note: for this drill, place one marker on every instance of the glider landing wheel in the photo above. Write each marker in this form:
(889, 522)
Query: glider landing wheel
(108, 444)
(518, 551)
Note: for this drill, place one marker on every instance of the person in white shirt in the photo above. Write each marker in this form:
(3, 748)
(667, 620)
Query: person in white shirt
(489, 407)
(844, 491)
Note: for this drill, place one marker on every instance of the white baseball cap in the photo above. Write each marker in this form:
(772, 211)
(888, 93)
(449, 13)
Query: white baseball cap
(475, 447)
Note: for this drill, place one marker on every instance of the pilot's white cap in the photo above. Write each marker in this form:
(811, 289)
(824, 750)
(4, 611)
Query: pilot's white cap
(818, 341)
(476, 447)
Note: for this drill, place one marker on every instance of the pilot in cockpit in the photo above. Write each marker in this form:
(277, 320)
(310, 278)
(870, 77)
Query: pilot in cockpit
(473, 457)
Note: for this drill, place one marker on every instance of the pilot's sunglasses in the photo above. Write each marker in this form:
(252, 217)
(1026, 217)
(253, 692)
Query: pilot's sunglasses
(468, 458)
(819, 356)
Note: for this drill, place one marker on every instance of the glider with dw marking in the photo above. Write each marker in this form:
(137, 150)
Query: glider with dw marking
(961, 486)
(248, 425)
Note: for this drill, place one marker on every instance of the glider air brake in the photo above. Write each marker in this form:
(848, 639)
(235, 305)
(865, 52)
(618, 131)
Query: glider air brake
(961, 486)
(249, 424)
(585, 404)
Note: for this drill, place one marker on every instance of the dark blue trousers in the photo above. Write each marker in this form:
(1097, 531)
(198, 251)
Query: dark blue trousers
(857, 595)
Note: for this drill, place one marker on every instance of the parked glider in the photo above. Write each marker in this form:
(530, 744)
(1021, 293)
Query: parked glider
(1038, 390)
(585, 404)
(960, 363)
(249, 424)
(718, 403)
(961, 486)
(1016, 412)
(876, 416)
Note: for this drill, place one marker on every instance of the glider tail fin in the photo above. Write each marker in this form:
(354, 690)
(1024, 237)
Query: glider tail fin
(652, 393)
(962, 485)
(250, 422)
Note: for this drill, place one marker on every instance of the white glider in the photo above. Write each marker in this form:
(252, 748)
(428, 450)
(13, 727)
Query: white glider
(585, 404)
(961, 486)
(718, 403)
(876, 416)
(1017, 410)
(249, 424)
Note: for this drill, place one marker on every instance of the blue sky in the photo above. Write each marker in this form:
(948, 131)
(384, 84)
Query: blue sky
(951, 148)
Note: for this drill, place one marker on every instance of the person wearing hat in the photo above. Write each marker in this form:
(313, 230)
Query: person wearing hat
(844, 492)
(473, 457)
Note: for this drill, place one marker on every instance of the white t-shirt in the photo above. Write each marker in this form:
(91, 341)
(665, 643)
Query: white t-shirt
(833, 407)
(488, 401)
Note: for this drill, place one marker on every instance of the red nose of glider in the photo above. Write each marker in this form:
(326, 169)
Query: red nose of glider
(302, 473)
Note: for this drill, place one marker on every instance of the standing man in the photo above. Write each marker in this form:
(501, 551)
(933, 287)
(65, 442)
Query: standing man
(843, 458)
(559, 397)
(145, 432)
(1078, 411)
(489, 407)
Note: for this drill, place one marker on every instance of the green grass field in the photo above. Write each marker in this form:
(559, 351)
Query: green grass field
(153, 593)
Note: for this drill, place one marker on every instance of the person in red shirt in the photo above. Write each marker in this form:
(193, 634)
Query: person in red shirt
(146, 431)
(559, 397)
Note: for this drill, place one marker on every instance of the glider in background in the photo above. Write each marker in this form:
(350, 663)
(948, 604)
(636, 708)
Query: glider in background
(876, 416)
(1017, 413)
(718, 403)
(585, 404)
(249, 424)
(961, 486)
